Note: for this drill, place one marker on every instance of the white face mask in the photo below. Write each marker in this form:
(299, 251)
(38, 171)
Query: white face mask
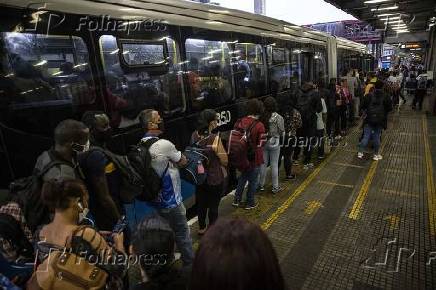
(78, 148)
(84, 212)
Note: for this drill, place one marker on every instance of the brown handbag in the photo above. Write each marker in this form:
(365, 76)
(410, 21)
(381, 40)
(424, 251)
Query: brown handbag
(66, 270)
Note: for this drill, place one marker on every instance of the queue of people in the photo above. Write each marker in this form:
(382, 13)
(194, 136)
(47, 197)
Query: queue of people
(72, 205)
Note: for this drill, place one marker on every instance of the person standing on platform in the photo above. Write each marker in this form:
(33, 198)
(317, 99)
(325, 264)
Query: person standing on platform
(376, 107)
(165, 162)
(208, 195)
(251, 174)
(271, 151)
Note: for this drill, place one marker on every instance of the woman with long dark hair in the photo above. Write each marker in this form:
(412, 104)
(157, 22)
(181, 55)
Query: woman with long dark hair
(208, 195)
(233, 255)
(271, 152)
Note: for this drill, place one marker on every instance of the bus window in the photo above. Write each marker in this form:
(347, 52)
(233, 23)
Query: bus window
(131, 92)
(43, 79)
(248, 70)
(296, 67)
(143, 54)
(209, 73)
(280, 68)
(319, 67)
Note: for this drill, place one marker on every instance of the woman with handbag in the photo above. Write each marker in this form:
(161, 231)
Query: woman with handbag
(71, 256)
(208, 194)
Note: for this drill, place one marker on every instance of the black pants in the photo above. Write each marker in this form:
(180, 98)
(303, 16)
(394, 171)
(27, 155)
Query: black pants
(308, 148)
(286, 152)
(320, 142)
(341, 119)
(419, 98)
(208, 198)
(331, 118)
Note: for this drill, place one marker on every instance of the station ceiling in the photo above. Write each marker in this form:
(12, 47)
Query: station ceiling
(404, 15)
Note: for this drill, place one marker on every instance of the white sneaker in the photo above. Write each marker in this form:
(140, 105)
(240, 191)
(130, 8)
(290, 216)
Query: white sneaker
(360, 155)
(377, 157)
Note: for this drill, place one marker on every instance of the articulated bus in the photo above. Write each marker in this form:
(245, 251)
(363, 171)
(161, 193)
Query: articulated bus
(62, 58)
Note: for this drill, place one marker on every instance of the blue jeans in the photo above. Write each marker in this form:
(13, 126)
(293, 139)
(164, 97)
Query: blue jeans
(250, 176)
(371, 132)
(271, 154)
(176, 217)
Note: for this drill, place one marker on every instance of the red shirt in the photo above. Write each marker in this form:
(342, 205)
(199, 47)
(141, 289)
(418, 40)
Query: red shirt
(258, 133)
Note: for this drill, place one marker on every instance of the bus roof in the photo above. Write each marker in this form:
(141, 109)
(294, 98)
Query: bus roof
(188, 13)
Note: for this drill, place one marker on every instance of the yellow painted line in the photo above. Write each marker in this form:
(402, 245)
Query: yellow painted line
(431, 193)
(347, 165)
(335, 184)
(312, 207)
(267, 224)
(358, 204)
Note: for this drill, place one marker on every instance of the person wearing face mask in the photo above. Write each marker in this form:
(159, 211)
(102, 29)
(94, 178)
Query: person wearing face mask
(101, 176)
(208, 195)
(71, 138)
(166, 160)
(68, 199)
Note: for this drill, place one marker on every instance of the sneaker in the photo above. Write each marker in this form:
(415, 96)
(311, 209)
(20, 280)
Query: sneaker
(360, 155)
(277, 190)
(261, 189)
(377, 157)
(292, 176)
(321, 157)
(250, 207)
(295, 163)
(235, 203)
(311, 165)
(306, 167)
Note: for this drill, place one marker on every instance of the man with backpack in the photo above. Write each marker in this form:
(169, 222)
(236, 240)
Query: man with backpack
(249, 157)
(165, 161)
(376, 107)
(71, 138)
(420, 92)
(101, 175)
(309, 103)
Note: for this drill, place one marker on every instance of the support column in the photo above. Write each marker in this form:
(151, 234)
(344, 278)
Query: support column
(431, 66)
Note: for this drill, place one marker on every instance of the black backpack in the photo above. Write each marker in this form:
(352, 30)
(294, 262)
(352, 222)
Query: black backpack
(132, 183)
(140, 159)
(375, 114)
(27, 193)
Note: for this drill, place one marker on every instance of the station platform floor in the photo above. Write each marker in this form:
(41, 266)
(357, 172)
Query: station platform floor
(358, 224)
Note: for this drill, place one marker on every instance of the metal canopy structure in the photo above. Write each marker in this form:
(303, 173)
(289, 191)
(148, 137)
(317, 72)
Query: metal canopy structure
(397, 16)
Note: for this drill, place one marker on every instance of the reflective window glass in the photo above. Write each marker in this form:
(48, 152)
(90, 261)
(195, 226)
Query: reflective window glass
(43, 79)
(280, 68)
(209, 73)
(131, 92)
(249, 70)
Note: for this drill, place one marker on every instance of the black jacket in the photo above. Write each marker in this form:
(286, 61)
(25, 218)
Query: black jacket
(308, 104)
(368, 101)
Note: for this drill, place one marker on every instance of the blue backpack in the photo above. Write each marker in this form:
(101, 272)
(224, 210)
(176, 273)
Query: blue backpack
(195, 171)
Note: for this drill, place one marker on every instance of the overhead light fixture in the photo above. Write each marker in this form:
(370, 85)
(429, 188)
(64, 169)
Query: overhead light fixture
(386, 14)
(391, 18)
(394, 22)
(402, 31)
(385, 8)
(375, 1)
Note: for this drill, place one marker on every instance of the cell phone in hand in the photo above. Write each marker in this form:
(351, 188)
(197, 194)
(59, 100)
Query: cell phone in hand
(121, 225)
